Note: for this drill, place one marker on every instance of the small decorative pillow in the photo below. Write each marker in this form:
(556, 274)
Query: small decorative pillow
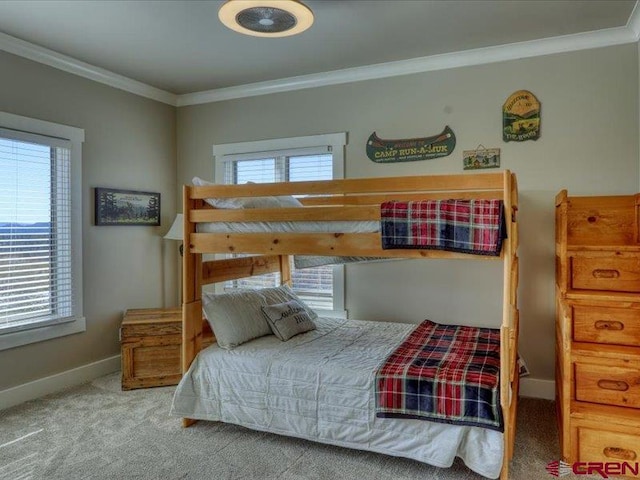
(287, 319)
(235, 317)
(284, 294)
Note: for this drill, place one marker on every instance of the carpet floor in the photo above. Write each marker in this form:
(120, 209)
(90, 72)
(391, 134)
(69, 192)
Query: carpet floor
(97, 431)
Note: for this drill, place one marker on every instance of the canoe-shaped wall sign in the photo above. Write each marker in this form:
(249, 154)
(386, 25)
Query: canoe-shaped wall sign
(411, 149)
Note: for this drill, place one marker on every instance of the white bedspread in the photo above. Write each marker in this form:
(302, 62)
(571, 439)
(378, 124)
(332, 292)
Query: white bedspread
(319, 386)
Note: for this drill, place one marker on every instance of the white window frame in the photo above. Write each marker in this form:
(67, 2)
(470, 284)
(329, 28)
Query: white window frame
(77, 322)
(336, 143)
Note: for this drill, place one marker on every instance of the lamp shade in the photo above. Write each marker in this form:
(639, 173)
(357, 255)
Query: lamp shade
(175, 232)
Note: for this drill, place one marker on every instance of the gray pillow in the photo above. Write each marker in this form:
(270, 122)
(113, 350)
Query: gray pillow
(283, 294)
(236, 317)
(288, 319)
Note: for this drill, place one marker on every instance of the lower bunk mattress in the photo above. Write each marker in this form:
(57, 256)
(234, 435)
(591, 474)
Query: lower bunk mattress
(320, 386)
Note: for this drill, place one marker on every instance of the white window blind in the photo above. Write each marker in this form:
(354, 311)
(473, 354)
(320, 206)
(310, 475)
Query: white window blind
(36, 279)
(313, 285)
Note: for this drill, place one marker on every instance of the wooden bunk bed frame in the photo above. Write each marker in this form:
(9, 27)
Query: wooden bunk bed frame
(350, 200)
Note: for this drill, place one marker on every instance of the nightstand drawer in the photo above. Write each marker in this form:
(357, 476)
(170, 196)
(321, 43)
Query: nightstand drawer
(153, 362)
(613, 273)
(606, 446)
(609, 385)
(144, 322)
(160, 363)
(614, 326)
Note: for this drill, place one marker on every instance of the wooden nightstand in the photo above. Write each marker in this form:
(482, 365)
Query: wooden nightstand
(150, 339)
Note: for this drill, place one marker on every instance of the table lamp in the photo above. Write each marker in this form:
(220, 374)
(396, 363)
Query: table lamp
(175, 232)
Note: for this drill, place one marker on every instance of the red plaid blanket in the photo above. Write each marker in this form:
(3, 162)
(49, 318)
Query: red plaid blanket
(469, 226)
(443, 373)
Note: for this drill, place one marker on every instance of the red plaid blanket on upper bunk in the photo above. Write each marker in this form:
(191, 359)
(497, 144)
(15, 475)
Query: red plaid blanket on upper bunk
(468, 226)
(443, 373)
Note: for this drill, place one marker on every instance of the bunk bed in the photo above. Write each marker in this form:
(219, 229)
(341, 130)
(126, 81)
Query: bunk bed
(348, 200)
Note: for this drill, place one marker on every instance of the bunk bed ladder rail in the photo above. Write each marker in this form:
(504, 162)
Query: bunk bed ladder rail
(509, 374)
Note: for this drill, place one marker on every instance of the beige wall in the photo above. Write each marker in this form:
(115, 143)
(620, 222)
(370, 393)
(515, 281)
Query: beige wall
(130, 144)
(589, 145)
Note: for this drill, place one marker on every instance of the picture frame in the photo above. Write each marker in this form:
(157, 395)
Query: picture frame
(480, 158)
(126, 207)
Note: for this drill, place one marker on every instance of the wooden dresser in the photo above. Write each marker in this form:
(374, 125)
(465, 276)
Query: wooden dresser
(150, 340)
(598, 328)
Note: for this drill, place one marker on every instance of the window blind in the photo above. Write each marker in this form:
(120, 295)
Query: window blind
(313, 285)
(35, 231)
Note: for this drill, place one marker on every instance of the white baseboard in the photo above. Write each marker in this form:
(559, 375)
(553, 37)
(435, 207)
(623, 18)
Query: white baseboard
(55, 383)
(537, 388)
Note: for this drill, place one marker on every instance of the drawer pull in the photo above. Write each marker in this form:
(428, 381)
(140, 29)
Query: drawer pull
(609, 325)
(606, 273)
(617, 385)
(620, 453)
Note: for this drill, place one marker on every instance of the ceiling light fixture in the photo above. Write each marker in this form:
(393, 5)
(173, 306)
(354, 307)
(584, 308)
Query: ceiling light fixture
(266, 18)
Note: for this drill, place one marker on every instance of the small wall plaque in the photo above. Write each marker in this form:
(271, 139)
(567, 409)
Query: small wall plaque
(521, 117)
(480, 158)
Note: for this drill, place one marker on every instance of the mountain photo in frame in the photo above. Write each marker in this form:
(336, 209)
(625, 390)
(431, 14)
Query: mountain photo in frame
(126, 207)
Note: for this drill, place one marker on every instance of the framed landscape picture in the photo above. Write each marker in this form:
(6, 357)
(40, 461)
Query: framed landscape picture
(126, 207)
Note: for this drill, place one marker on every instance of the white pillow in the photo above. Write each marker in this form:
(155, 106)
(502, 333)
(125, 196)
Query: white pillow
(284, 201)
(287, 201)
(236, 317)
(287, 319)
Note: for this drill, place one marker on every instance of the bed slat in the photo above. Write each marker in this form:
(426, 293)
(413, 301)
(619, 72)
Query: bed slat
(359, 244)
(404, 197)
(214, 271)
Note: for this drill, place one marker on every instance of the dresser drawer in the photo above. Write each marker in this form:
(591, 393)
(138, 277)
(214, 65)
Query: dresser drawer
(609, 385)
(613, 273)
(614, 326)
(611, 448)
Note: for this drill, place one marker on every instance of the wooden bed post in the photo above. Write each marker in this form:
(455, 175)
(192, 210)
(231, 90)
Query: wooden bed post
(192, 287)
(285, 269)
(509, 380)
(564, 380)
(562, 268)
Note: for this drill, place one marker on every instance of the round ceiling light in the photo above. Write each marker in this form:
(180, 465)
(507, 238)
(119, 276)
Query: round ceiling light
(266, 18)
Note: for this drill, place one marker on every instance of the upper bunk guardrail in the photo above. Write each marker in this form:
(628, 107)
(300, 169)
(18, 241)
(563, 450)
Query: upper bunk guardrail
(423, 183)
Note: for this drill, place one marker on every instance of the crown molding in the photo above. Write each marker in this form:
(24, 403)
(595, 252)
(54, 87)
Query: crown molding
(71, 65)
(479, 56)
(633, 24)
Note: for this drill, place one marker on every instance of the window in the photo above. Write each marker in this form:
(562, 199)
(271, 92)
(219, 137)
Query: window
(40, 279)
(289, 160)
